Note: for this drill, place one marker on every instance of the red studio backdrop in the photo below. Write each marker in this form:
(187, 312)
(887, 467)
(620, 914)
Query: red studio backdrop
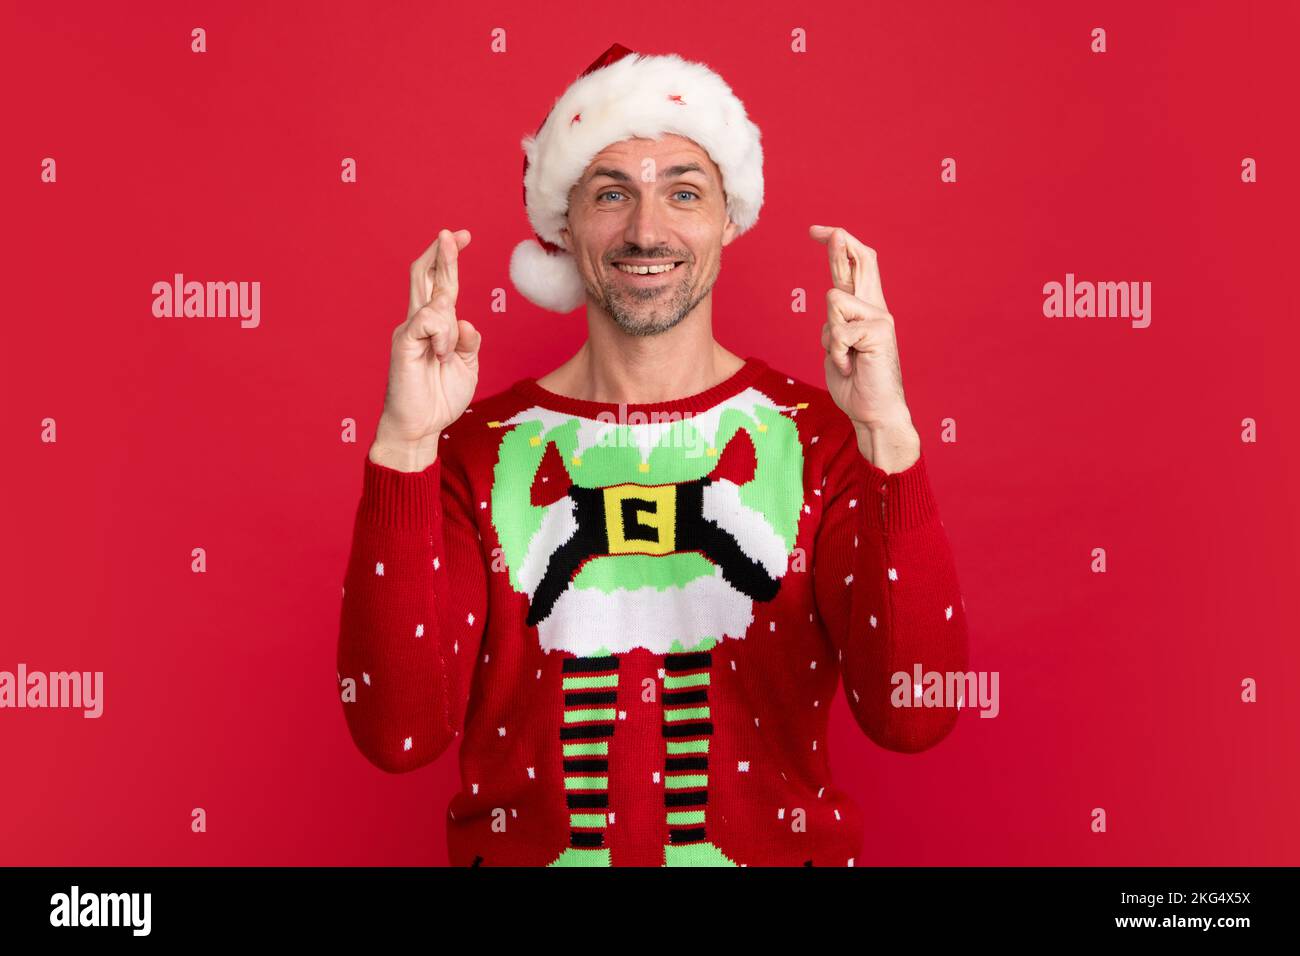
(1170, 443)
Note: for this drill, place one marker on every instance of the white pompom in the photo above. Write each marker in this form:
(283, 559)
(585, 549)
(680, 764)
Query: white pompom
(548, 280)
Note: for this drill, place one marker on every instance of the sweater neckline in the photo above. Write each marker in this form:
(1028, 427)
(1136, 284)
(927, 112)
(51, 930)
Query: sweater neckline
(733, 385)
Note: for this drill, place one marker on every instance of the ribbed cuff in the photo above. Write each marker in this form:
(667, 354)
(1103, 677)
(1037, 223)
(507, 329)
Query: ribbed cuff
(400, 499)
(901, 500)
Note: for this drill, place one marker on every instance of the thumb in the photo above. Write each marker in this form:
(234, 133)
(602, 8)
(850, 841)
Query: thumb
(842, 331)
(468, 340)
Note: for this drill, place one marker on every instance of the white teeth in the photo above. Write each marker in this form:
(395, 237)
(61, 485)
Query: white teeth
(645, 270)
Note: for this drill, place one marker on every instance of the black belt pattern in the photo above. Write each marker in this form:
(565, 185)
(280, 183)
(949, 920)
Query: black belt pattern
(647, 519)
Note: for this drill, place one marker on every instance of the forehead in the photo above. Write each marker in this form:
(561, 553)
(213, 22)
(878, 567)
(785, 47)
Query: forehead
(668, 150)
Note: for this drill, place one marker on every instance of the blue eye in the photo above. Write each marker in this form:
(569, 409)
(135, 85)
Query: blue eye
(612, 192)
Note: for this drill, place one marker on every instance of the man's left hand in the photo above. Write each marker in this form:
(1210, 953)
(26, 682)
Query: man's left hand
(862, 369)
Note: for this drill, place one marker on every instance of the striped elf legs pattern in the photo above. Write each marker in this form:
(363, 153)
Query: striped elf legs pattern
(687, 727)
(590, 686)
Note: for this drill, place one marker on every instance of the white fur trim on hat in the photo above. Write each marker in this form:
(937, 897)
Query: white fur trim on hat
(642, 96)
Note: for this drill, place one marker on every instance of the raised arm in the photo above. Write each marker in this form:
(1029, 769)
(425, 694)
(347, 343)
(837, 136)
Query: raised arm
(415, 590)
(414, 608)
(886, 587)
(884, 573)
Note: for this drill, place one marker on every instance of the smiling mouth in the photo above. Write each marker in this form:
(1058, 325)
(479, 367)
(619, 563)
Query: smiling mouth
(648, 268)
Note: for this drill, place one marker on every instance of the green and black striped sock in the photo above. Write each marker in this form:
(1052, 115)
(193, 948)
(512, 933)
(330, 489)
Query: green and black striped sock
(687, 728)
(590, 711)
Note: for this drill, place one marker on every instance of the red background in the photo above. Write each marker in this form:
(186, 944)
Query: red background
(1118, 690)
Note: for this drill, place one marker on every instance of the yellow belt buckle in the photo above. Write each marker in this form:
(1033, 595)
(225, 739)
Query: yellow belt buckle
(659, 513)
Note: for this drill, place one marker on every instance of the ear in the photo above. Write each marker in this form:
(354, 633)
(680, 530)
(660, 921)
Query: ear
(566, 240)
(729, 232)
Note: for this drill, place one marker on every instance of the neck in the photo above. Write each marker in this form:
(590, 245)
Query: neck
(612, 366)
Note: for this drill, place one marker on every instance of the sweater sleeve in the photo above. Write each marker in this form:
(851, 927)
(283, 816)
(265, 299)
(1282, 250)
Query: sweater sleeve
(414, 609)
(886, 587)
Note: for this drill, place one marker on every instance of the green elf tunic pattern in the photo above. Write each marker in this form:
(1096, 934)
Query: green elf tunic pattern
(657, 535)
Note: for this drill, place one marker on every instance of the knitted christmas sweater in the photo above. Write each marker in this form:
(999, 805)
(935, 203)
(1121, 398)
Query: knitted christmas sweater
(633, 619)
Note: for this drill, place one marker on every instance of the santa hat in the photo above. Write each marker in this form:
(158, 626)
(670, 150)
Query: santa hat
(620, 96)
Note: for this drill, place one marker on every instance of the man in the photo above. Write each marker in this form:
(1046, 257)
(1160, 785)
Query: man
(631, 586)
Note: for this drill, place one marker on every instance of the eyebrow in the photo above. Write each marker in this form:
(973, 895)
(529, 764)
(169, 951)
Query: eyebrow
(671, 172)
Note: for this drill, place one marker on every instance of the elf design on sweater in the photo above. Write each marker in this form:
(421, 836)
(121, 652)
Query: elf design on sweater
(638, 616)
(612, 561)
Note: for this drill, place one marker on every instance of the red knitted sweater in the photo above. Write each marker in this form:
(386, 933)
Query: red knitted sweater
(633, 618)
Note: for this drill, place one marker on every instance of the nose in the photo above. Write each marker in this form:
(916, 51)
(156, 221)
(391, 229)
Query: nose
(647, 225)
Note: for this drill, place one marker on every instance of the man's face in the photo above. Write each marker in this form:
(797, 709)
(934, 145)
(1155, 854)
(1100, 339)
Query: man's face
(655, 202)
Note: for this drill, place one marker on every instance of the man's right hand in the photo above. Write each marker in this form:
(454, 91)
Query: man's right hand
(434, 365)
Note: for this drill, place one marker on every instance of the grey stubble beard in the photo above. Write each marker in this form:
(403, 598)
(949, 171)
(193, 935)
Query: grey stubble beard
(623, 305)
